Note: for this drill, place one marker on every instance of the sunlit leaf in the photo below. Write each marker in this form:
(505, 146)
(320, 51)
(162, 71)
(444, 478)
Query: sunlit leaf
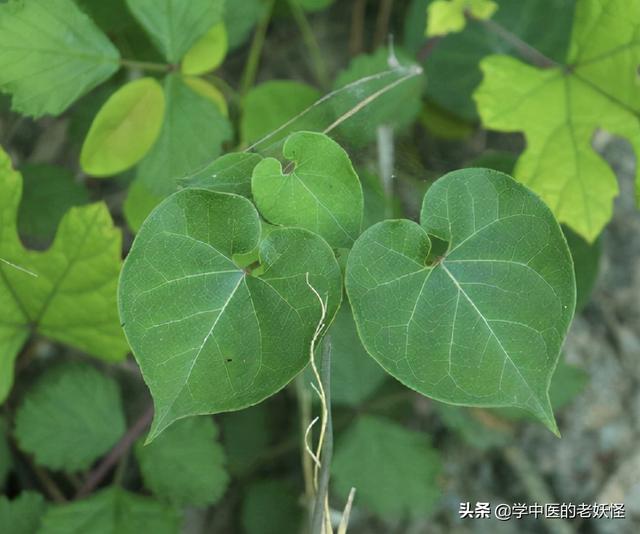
(124, 129)
(207, 52)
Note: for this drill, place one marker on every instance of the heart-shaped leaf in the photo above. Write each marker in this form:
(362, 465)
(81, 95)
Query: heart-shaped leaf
(209, 333)
(481, 325)
(319, 190)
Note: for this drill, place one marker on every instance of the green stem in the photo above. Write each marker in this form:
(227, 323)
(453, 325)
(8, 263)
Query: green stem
(310, 41)
(146, 65)
(319, 515)
(251, 66)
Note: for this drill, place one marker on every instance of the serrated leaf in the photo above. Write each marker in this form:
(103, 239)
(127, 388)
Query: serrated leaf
(483, 324)
(449, 16)
(52, 54)
(68, 292)
(559, 109)
(394, 470)
(397, 107)
(271, 507)
(269, 105)
(192, 135)
(318, 190)
(48, 193)
(71, 417)
(452, 66)
(206, 332)
(186, 464)
(23, 514)
(175, 25)
(230, 173)
(124, 129)
(207, 53)
(111, 511)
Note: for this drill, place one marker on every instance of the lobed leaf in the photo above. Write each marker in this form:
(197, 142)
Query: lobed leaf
(124, 129)
(206, 331)
(559, 109)
(449, 16)
(68, 292)
(321, 193)
(483, 324)
(51, 54)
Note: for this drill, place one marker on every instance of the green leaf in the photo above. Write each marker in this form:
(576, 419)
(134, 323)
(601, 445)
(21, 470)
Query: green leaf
(175, 25)
(52, 54)
(207, 53)
(49, 191)
(210, 91)
(452, 66)
(271, 507)
(318, 190)
(71, 417)
(560, 108)
(192, 135)
(206, 332)
(449, 16)
(271, 104)
(124, 129)
(397, 107)
(185, 465)
(247, 435)
(6, 459)
(483, 324)
(394, 470)
(230, 173)
(470, 428)
(111, 511)
(240, 18)
(313, 5)
(586, 263)
(139, 204)
(23, 514)
(68, 292)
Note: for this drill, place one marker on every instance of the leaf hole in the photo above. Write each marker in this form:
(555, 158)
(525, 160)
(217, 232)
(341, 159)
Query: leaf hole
(438, 252)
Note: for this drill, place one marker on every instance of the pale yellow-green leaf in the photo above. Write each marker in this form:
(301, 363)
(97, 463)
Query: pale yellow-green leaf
(207, 53)
(559, 110)
(124, 129)
(448, 16)
(68, 292)
(204, 88)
